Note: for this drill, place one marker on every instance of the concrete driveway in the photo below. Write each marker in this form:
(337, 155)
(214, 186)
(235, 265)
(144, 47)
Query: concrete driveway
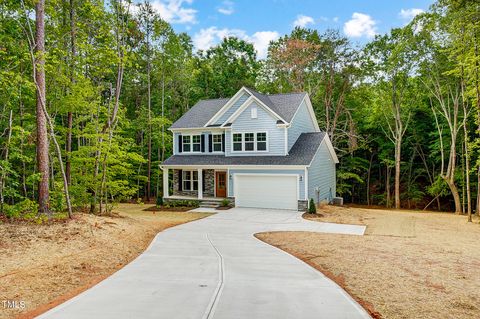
(215, 268)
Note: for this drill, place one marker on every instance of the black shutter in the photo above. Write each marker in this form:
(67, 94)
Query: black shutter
(202, 143)
(180, 146)
(210, 143)
(223, 142)
(180, 180)
(203, 181)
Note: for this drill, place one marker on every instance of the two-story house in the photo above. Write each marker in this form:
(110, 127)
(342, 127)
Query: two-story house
(257, 150)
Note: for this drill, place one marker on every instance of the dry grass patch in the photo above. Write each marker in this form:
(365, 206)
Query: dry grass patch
(44, 265)
(408, 265)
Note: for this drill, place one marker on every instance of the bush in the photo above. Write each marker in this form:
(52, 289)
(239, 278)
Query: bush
(159, 201)
(312, 209)
(25, 209)
(225, 202)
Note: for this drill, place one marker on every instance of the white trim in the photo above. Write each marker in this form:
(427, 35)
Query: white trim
(227, 105)
(200, 129)
(245, 105)
(191, 144)
(191, 180)
(165, 181)
(264, 167)
(265, 106)
(307, 101)
(330, 149)
(306, 183)
(215, 182)
(199, 183)
(243, 142)
(213, 144)
(265, 174)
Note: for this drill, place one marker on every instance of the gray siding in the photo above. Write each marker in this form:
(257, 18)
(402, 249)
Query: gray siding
(301, 123)
(263, 123)
(321, 174)
(233, 108)
(232, 172)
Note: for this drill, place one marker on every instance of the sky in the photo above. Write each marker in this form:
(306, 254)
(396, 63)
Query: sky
(261, 21)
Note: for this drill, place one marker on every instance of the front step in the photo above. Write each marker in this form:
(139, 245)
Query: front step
(209, 204)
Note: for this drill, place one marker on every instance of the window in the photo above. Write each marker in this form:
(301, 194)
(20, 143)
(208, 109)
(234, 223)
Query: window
(261, 141)
(191, 143)
(190, 180)
(237, 142)
(217, 142)
(186, 144)
(254, 112)
(196, 143)
(249, 142)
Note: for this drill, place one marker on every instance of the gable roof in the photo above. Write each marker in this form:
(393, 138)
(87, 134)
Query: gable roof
(200, 113)
(301, 153)
(284, 105)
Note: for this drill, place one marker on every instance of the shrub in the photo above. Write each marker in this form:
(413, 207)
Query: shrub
(25, 209)
(225, 202)
(159, 201)
(312, 209)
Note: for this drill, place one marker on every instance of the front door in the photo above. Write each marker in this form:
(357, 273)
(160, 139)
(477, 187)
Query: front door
(221, 184)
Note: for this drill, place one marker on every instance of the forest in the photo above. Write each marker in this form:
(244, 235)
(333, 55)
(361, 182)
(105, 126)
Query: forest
(88, 90)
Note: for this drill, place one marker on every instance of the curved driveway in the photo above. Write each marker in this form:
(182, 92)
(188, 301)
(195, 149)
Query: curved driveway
(215, 268)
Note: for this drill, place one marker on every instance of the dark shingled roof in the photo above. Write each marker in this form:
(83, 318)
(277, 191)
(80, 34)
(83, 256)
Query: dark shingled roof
(200, 113)
(284, 105)
(302, 153)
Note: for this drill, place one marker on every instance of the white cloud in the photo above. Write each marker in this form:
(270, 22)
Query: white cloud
(360, 25)
(174, 11)
(261, 40)
(226, 7)
(335, 19)
(409, 14)
(302, 21)
(207, 38)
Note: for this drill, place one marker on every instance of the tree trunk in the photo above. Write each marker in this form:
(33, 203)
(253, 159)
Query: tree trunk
(398, 146)
(42, 136)
(72, 79)
(387, 186)
(368, 179)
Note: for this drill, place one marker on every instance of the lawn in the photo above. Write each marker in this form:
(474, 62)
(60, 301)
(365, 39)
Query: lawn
(44, 265)
(408, 265)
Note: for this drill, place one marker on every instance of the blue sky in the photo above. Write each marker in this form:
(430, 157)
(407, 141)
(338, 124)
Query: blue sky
(260, 21)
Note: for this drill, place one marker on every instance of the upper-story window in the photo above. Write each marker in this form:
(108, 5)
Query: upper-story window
(217, 142)
(249, 142)
(191, 143)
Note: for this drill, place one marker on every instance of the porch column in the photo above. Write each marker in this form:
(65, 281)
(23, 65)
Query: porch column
(200, 184)
(165, 182)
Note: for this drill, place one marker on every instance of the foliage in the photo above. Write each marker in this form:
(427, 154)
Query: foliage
(312, 208)
(378, 103)
(225, 202)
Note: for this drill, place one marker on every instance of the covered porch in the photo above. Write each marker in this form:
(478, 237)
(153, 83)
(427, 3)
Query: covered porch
(193, 183)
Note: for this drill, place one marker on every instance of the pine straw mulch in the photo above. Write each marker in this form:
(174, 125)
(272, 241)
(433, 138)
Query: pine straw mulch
(44, 265)
(408, 265)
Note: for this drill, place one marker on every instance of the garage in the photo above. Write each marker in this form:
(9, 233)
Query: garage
(266, 191)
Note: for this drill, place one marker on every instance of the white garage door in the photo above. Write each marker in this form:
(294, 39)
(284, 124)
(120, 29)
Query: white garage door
(266, 191)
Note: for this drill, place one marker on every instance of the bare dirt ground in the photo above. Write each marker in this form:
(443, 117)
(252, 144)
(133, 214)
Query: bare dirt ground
(44, 265)
(408, 265)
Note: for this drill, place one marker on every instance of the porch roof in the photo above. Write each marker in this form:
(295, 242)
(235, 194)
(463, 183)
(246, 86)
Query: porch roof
(301, 153)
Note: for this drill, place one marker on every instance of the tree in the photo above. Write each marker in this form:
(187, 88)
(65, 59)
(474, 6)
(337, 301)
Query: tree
(42, 135)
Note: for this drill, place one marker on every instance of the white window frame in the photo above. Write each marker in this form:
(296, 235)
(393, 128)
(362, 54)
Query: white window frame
(254, 142)
(213, 143)
(192, 180)
(253, 112)
(191, 143)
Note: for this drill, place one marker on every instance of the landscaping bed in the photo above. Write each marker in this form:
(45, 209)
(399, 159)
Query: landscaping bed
(44, 265)
(408, 265)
